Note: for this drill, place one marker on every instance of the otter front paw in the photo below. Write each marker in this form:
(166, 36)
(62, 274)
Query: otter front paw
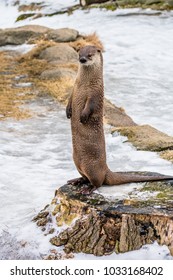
(68, 112)
(84, 117)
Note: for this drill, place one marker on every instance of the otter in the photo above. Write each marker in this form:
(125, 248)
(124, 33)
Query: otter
(85, 109)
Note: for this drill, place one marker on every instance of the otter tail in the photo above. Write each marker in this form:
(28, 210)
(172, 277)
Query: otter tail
(118, 178)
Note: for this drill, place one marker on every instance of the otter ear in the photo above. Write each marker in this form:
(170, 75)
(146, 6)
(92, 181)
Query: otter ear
(78, 50)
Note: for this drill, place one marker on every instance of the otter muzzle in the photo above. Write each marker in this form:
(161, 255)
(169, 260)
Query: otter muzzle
(83, 59)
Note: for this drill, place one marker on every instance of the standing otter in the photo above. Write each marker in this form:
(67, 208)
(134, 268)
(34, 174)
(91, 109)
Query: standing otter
(85, 108)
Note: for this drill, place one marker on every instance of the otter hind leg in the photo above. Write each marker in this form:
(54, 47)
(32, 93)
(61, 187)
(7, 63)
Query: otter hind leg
(78, 181)
(84, 185)
(87, 189)
(91, 184)
(95, 181)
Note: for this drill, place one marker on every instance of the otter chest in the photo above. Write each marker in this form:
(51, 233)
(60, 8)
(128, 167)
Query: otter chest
(79, 100)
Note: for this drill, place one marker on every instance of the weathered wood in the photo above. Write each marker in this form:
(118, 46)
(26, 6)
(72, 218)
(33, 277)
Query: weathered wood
(101, 225)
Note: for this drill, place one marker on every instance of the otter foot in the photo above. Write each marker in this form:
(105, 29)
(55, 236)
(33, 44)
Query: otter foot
(87, 189)
(77, 181)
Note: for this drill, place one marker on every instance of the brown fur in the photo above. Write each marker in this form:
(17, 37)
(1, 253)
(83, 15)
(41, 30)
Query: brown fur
(85, 108)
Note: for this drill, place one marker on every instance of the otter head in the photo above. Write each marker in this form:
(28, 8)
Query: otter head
(90, 55)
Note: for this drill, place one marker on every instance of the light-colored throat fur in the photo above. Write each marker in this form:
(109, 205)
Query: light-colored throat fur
(91, 74)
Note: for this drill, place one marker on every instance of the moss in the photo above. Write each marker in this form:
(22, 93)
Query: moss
(164, 195)
(163, 192)
(157, 6)
(157, 186)
(24, 16)
(108, 6)
(152, 194)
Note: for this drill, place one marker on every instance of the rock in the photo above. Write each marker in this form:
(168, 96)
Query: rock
(84, 3)
(20, 35)
(150, 2)
(58, 73)
(61, 53)
(127, 2)
(170, 3)
(168, 155)
(141, 1)
(30, 7)
(116, 116)
(32, 28)
(146, 138)
(63, 35)
(100, 225)
(16, 3)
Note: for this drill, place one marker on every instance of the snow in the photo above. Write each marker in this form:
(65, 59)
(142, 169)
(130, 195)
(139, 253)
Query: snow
(147, 252)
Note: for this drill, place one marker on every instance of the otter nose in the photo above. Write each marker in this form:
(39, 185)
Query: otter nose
(83, 59)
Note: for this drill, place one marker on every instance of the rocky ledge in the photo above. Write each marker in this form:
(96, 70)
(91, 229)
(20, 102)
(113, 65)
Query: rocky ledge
(36, 10)
(158, 5)
(101, 225)
(27, 33)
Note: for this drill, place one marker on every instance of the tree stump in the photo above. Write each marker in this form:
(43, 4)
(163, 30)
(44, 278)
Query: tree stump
(100, 225)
